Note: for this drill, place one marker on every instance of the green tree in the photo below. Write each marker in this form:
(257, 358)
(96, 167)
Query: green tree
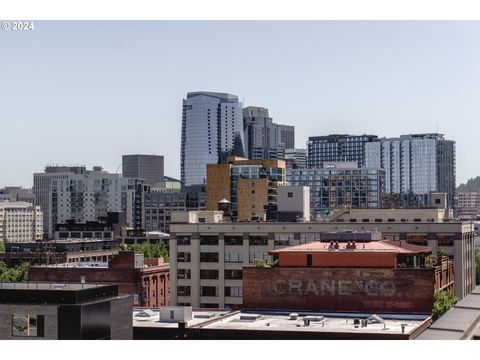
(443, 301)
(14, 274)
(149, 250)
(2, 246)
(477, 266)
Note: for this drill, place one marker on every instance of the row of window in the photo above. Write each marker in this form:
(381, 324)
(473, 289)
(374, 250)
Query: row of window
(234, 291)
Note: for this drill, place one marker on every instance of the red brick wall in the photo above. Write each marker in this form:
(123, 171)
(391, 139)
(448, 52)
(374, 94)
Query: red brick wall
(339, 259)
(341, 289)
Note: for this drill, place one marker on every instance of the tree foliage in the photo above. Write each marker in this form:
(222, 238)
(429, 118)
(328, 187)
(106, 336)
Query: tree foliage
(472, 185)
(443, 301)
(148, 250)
(2, 246)
(14, 274)
(265, 263)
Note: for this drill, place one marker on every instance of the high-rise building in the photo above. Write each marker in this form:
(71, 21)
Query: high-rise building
(75, 193)
(340, 185)
(249, 185)
(147, 167)
(261, 134)
(212, 129)
(337, 148)
(265, 140)
(17, 193)
(159, 206)
(296, 158)
(286, 135)
(20, 222)
(415, 166)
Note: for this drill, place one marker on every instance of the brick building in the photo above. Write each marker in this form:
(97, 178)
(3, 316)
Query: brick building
(376, 276)
(146, 279)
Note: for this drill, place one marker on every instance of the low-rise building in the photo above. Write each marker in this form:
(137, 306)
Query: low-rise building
(468, 205)
(146, 279)
(20, 222)
(46, 311)
(207, 258)
(376, 276)
(254, 324)
(17, 193)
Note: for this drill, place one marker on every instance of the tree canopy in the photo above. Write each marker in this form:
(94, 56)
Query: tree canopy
(148, 250)
(14, 274)
(443, 301)
(472, 185)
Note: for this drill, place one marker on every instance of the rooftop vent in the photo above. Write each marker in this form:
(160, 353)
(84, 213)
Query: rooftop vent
(375, 319)
(249, 317)
(204, 316)
(315, 318)
(293, 316)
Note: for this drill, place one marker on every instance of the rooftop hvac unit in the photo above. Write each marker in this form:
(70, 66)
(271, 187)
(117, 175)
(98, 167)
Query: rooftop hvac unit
(375, 319)
(315, 318)
(204, 316)
(250, 317)
(293, 316)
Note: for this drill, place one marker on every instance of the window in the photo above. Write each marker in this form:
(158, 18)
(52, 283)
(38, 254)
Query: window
(208, 290)
(234, 291)
(28, 325)
(183, 274)
(234, 240)
(378, 220)
(208, 240)
(233, 274)
(417, 220)
(290, 194)
(365, 220)
(208, 257)
(183, 291)
(261, 240)
(209, 274)
(437, 201)
(183, 257)
(391, 220)
(183, 240)
(234, 257)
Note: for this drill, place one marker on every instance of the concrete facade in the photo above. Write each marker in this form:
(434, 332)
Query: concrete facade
(231, 246)
(20, 222)
(75, 193)
(147, 167)
(249, 185)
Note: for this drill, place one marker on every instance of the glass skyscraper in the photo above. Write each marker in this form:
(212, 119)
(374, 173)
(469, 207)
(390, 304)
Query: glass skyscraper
(415, 165)
(212, 129)
(336, 147)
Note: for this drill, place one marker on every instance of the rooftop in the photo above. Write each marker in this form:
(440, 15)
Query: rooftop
(47, 286)
(261, 320)
(373, 246)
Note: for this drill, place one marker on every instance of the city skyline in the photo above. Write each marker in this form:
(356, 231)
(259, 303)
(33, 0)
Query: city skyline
(118, 86)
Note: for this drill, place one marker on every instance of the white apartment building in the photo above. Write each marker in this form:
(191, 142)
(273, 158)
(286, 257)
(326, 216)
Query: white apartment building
(468, 202)
(76, 193)
(20, 222)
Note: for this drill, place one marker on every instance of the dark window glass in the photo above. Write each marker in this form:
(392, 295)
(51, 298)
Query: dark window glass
(208, 257)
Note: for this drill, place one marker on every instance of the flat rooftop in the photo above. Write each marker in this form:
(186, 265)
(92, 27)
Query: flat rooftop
(48, 286)
(199, 316)
(262, 320)
(372, 246)
(341, 323)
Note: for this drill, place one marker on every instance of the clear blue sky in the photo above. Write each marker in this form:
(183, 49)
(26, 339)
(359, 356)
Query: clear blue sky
(88, 92)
